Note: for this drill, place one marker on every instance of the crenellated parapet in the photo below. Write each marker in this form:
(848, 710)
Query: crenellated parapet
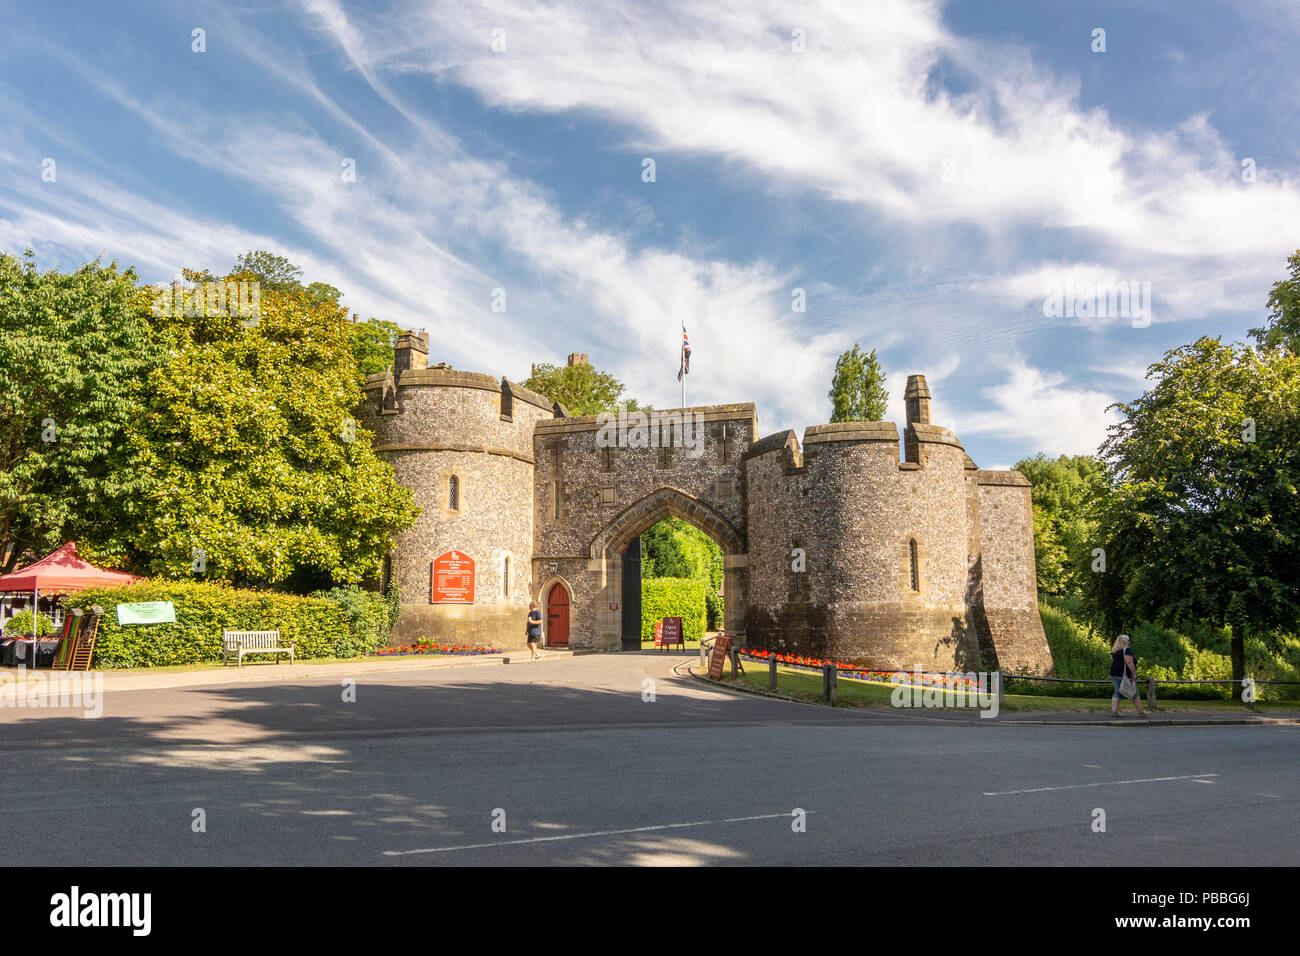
(889, 562)
(858, 541)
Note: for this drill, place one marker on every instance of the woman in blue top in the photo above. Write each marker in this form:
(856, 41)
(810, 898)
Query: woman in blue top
(534, 630)
(1122, 664)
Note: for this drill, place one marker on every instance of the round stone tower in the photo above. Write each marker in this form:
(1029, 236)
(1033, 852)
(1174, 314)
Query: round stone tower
(463, 443)
(884, 543)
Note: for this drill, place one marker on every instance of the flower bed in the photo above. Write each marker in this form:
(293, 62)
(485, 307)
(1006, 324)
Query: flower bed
(922, 678)
(446, 649)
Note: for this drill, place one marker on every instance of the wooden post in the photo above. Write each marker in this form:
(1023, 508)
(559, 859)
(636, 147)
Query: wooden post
(771, 672)
(997, 677)
(830, 683)
(1151, 692)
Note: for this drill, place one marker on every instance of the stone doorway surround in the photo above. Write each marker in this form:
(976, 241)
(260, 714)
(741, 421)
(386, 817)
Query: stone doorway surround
(544, 604)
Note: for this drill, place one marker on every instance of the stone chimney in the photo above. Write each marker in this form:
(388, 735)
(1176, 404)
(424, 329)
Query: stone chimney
(411, 351)
(578, 358)
(917, 398)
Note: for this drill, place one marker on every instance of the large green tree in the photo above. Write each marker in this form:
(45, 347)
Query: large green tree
(1066, 492)
(372, 345)
(275, 273)
(1204, 519)
(858, 391)
(259, 473)
(582, 388)
(1283, 327)
(75, 349)
(372, 340)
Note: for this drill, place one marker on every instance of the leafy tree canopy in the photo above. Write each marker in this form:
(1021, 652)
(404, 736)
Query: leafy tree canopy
(1204, 521)
(1065, 493)
(858, 391)
(74, 351)
(274, 272)
(675, 549)
(372, 345)
(171, 439)
(372, 340)
(320, 293)
(582, 389)
(257, 466)
(1283, 328)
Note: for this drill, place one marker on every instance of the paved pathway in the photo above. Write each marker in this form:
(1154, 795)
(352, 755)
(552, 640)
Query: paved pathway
(588, 769)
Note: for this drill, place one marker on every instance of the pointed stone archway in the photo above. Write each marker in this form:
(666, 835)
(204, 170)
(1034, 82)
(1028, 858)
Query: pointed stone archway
(608, 546)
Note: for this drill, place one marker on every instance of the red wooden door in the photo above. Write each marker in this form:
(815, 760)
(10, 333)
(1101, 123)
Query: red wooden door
(557, 617)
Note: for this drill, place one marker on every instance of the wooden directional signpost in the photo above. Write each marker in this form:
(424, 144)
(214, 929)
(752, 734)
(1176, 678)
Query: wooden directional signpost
(452, 579)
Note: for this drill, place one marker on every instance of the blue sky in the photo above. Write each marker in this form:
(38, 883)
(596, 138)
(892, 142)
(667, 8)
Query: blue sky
(926, 172)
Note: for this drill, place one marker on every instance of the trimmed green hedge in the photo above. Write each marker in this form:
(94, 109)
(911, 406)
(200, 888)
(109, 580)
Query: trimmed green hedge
(673, 597)
(716, 609)
(345, 622)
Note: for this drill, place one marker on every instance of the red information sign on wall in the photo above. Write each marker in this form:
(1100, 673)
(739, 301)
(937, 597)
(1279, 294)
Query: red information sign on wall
(452, 579)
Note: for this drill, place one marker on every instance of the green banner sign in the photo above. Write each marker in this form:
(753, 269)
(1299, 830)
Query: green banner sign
(148, 612)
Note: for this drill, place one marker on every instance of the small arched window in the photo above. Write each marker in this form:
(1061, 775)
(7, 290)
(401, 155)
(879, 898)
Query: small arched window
(505, 578)
(916, 565)
(453, 493)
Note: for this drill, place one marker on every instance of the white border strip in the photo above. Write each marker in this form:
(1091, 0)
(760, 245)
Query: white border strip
(1109, 783)
(595, 833)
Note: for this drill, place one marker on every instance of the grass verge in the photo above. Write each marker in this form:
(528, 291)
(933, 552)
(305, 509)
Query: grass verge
(807, 686)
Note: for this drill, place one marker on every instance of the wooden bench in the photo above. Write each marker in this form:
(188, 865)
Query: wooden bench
(240, 643)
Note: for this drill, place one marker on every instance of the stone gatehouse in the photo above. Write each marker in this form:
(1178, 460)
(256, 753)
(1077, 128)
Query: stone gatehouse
(837, 547)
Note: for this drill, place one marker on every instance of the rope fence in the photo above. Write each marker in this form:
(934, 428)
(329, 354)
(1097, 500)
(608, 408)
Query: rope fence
(1153, 682)
(831, 670)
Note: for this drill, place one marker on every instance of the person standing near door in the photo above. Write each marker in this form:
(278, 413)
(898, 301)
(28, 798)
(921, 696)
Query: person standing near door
(534, 630)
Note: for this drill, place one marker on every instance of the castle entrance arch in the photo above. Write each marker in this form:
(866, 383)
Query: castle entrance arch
(610, 545)
(600, 481)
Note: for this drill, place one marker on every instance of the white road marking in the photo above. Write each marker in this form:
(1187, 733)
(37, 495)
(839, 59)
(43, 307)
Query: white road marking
(595, 833)
(1108, 783)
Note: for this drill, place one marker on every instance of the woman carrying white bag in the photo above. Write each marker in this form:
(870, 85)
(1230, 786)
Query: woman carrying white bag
(1123, 674)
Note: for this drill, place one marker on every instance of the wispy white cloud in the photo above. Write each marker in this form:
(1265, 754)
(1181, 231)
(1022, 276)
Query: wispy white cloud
(1039, 409)
(857, 116)
(967, 183)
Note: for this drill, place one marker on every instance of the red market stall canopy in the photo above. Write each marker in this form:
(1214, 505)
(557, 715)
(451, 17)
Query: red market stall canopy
(61, 572)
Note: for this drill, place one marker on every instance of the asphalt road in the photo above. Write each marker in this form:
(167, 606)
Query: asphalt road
(580, 768)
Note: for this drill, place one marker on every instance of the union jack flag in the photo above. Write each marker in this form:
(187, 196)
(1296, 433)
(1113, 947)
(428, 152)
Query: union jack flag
(685, 367)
